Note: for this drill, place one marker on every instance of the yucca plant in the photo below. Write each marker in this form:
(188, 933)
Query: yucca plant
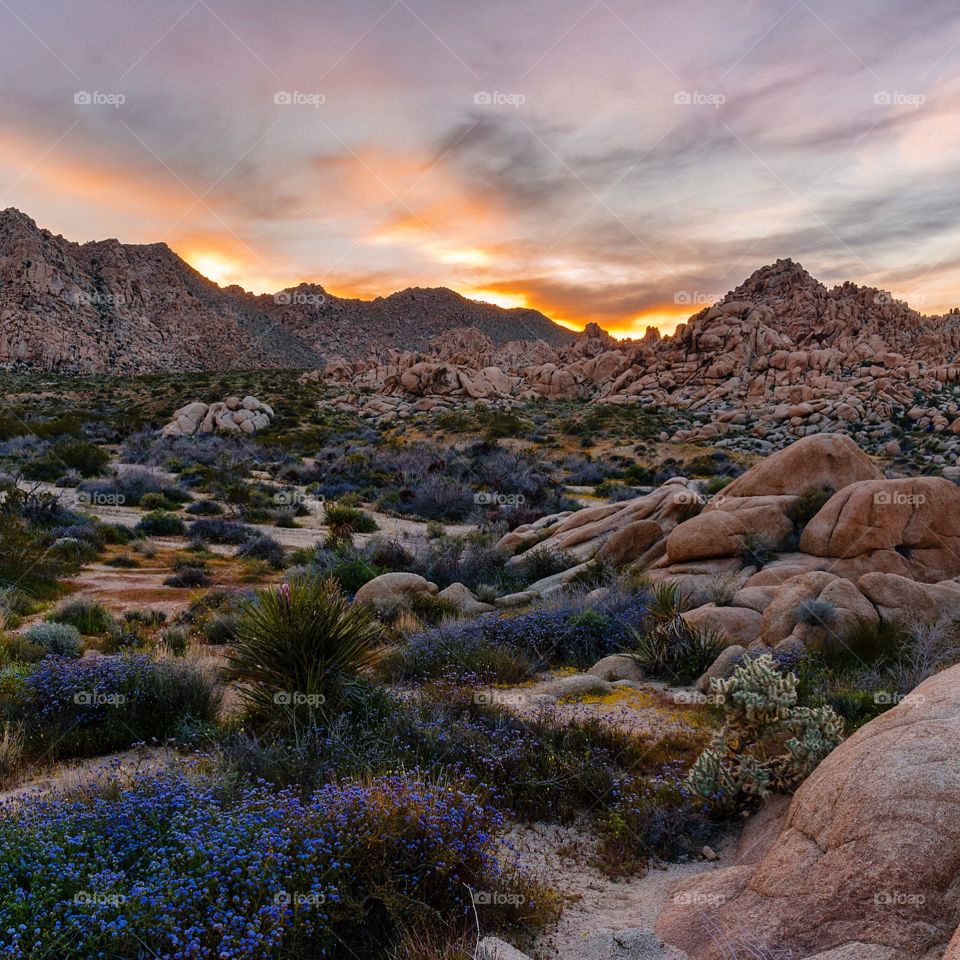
(303, 650)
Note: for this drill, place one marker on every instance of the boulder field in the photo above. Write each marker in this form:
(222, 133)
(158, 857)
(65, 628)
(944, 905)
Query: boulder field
(795, 552)
(779, 357)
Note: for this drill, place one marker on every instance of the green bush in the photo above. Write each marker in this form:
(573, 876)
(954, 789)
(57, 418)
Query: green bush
(343, 521)
(80, 455)
(671, 649)
(302, 645)
(160, 523)
(14, 648)
(59, 639)
(88, 616)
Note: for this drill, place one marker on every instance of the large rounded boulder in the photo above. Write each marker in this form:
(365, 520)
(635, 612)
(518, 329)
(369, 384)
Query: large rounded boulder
(867, 853)
(822, 461)
(909, 527)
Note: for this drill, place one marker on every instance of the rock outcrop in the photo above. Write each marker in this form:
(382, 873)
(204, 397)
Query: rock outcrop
(233, 415)
(868, 852)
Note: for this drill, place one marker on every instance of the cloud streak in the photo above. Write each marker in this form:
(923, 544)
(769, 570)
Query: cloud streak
(622, 159)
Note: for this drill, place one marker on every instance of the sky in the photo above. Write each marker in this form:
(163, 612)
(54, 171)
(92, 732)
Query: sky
(600, 160)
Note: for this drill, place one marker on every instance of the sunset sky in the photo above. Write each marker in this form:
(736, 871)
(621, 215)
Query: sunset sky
(623, 162)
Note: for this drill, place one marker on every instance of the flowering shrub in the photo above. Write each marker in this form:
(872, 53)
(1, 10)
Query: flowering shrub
(171, 868)
(83, 707)
(562, 634)
(658, 817)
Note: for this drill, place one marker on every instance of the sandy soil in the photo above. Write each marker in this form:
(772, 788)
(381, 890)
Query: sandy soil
(593, 903)
(643, 709)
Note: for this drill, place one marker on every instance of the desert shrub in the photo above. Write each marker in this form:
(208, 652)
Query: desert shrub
(263, 548)
(543, 562)
(86, 707)
(220, 628)
(122, 561)
(11, 752)
(757, 549)
(14, 648)
(816, 613)
(651, 818)
(160, 523)
(216, 530)
(15, 604)
(767, 742)
(123, 637)
(668, 647)
(176, 640)
(302, 645)
(189, 576)
(723, 587)
(350, 568)
(343, 521)
(204, 508)
(389, 554)
(145, 616)
(58, 639)
(716, 484)
(129, 487)
(929, 647)
(807, 505)
(70, 553)
(877, 642)
(562, 634)
(352, 863)
(156, 501)
(88, 616)
(85, 458)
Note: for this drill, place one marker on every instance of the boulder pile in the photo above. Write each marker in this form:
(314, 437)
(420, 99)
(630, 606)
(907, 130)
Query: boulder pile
(795, 553)
(778, 358)
(233, 415)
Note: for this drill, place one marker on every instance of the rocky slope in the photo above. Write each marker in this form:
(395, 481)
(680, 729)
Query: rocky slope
(121, 308)
(778, 358)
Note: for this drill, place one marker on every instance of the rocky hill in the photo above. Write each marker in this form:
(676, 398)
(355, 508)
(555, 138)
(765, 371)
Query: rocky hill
(122, 308)
(780, 357)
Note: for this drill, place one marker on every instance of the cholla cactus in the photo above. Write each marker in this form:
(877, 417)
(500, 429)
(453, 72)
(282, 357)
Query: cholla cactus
(767, 742)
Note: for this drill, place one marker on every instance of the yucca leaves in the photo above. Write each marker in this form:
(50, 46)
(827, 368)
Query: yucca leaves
(303, 648)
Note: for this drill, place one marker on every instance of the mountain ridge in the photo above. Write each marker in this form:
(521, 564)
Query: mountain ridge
(109, 307)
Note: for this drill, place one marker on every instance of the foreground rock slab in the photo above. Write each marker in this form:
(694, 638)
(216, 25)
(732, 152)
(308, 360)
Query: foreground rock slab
(868, 852)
